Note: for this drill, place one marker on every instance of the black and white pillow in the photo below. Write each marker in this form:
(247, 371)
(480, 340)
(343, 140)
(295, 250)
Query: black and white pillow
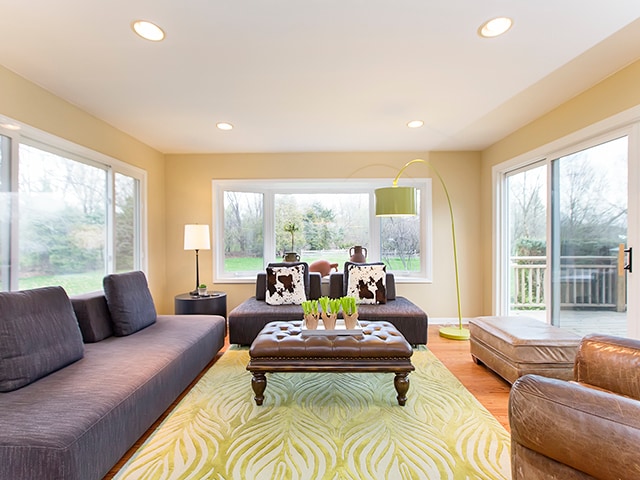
(367, 283)
(285, 285)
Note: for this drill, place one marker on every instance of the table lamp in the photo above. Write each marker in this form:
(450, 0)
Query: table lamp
(196, 237)
(398, 201)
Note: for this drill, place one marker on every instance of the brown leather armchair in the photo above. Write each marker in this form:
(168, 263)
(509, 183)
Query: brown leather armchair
(583, 429)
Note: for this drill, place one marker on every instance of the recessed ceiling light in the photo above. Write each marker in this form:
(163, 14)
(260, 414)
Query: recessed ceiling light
(494, 27)
(224, 126)
(148, 30)
(415, 124)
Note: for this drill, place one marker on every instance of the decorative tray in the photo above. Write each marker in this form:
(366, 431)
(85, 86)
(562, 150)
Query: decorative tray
(340, 329)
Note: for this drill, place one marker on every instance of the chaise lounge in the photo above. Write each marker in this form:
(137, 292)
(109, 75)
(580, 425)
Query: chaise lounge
(81, 380)
(250, 317)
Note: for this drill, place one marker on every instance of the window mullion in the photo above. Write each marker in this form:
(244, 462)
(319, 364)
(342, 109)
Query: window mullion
(269, 226)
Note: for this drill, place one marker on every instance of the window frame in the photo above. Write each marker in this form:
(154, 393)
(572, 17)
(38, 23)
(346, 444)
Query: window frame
(269, 188)
(45, 141)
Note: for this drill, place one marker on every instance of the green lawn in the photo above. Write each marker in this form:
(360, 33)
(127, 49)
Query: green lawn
(73, 284)
(76, 283)
(252, 264)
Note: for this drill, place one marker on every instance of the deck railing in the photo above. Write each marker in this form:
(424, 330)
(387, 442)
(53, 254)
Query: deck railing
(584, 282)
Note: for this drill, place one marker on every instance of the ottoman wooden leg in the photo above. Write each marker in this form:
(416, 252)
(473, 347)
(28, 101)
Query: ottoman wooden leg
(258, 383)
(401, 382)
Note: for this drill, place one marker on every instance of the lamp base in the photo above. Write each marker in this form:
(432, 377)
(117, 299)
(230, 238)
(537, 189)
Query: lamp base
(455, 333)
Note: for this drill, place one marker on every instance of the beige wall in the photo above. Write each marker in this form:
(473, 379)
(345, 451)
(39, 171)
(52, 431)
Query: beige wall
(613, 95)
(189, 200)
(185, 196)
(25, 102)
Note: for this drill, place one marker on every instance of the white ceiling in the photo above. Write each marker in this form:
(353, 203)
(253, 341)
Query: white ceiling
(317, 75)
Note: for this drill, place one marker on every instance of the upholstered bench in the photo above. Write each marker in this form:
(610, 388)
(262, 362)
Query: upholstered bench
(284, 347)
(514, 346)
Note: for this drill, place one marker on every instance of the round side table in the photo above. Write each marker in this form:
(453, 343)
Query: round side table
(214, 304)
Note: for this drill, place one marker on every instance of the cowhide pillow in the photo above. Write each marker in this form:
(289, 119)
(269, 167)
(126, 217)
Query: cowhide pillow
(367, 283)
(285, 285)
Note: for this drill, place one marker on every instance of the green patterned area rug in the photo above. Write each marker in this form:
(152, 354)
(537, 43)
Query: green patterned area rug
(325, 426)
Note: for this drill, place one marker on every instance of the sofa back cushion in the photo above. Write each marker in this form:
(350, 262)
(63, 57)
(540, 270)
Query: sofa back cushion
(130, 302)
(93, 316)
(39, 334)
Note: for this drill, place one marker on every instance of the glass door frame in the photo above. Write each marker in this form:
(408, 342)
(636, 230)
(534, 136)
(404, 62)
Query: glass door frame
(624, 124)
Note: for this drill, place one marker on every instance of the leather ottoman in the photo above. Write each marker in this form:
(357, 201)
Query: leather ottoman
(514, 346)
(285, 347)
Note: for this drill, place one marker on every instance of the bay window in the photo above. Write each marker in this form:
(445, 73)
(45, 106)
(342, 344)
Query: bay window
(257, 222)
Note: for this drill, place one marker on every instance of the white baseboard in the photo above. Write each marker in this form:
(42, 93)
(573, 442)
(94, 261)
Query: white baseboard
(446, 321)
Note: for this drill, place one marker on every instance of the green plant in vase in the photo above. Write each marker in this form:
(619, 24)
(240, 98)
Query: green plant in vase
(349, 312)
(291, 228)
(311, 313)
(329, 314)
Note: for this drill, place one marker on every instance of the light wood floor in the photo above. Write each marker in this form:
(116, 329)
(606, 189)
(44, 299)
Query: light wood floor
(490, 389)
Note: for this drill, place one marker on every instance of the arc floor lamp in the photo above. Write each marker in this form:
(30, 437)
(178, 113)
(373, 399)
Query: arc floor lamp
(196, 237)
(397, 201)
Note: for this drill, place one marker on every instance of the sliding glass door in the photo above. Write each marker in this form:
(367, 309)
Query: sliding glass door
(565, 251)
(527, 243)
(589, 238)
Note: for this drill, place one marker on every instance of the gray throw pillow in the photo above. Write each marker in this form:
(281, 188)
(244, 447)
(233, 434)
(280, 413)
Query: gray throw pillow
(93, 316)
(39, 334)
(130, 302)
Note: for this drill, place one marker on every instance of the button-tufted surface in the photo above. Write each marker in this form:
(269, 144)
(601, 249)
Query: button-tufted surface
(379, 340)
(283, 347)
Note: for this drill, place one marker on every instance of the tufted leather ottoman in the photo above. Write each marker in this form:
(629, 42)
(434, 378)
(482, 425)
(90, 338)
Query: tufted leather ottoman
(514, 346)
(282, 347)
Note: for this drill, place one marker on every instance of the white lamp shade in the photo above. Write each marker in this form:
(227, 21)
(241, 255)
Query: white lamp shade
(196, 237)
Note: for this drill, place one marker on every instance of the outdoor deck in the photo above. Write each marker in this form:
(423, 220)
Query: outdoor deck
(583, 322)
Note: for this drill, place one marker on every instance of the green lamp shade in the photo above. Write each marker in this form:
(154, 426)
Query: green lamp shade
(395, 201)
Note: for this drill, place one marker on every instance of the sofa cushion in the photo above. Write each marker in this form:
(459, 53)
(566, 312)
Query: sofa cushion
(306, 274)
(366, 282)
(130, 302)
(285, 285)
(39, 334)
(93, 316)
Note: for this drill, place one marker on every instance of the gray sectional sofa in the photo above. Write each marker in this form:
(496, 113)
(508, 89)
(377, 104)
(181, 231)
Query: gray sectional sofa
(248, 318)
(82, 379)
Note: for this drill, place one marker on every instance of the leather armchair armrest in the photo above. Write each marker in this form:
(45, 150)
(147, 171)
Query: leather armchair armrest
(610, 363)
(590, 430)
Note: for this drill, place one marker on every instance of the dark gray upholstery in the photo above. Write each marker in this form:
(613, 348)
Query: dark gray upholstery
(76, 423)
(248, 318)
(38, 335)
(407, 317)
(93, 316)
(130, 302)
